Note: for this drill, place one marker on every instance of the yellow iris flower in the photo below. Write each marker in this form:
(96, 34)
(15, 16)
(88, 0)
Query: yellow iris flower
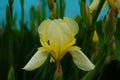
(57, 38)
(113, 3)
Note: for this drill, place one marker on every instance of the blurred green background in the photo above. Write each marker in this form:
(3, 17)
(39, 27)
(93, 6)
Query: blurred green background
(19, 40)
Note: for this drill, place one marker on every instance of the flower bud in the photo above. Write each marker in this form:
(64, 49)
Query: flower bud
(95, 37)
(11, 75)
(58, 73)
(109, 26)
(51, 4)
(85, 12)
(111, 55)
(53, 9)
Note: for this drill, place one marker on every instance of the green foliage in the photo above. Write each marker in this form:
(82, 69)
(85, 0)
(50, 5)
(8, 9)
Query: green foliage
(18, 46)
(11, 75)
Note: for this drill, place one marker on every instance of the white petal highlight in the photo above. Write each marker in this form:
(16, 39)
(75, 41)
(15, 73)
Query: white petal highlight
(81, 60)
(37, 60)
(94, 5)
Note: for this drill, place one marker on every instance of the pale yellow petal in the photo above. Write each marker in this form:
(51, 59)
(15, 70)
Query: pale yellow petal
(37, 60)
(72, 25)
(42, 29)
(94, 5)
(80, 59)
(57, 35)
(66, 46)
(43, 32)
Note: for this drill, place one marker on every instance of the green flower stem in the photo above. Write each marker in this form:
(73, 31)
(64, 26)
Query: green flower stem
(90, 30)
(58, 73)
(101, 60)
(22, 16)
(11, 75)
(99, 65)
(38, 15)
(53, 9)
(110, 26)
(11, 4)
(22, 7)
(32, 19)
(113, 49)
(11, 56)
(62, 8)
(97, 12)
(85, 13)
(9, 34)
(8, 18)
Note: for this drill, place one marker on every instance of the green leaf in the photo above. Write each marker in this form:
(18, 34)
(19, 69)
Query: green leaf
(11, 75)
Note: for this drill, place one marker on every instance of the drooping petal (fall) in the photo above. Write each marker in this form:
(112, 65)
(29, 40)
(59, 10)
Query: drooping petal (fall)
(80, 59)
(37, 60)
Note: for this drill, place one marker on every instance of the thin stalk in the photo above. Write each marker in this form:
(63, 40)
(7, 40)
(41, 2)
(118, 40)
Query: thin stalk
(58, 75)
(22, 15)
(99, 65)
(9, 34)
(62, 8)
(97, 12)
(90, 30)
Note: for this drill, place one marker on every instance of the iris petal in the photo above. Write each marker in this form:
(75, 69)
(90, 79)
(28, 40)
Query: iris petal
(80, 60)
(57, 35)
(43, 33)
(37, 60)
(72, 25)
